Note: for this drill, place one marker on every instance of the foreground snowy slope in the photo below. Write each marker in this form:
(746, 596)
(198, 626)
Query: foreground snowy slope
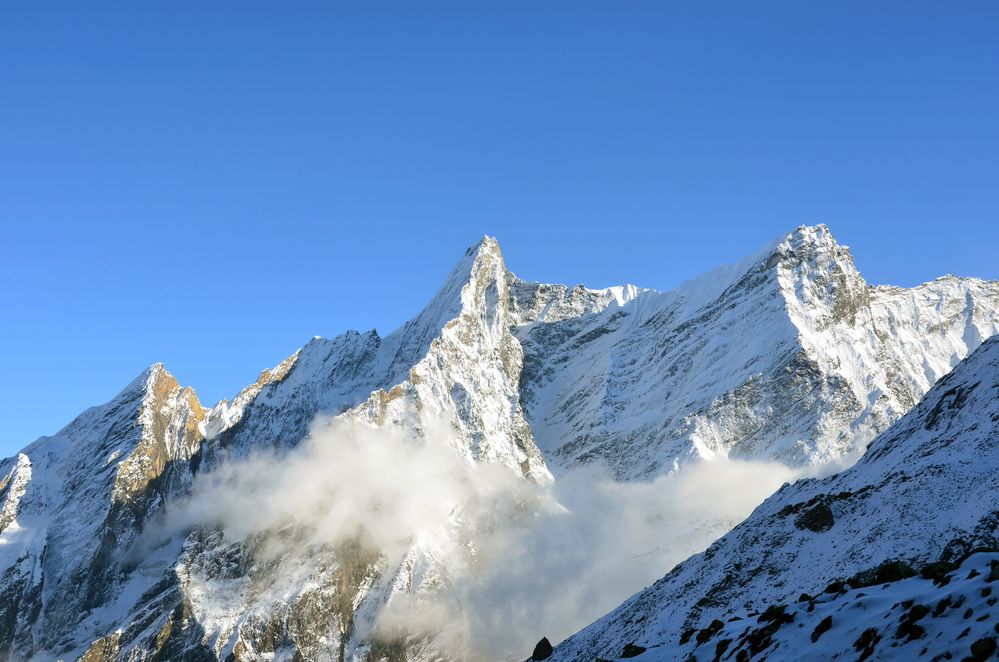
(788, 354)
(896, 614)
(926, 490)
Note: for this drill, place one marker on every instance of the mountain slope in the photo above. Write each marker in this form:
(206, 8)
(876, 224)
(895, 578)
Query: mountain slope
(926, 490)
(77, 498)
(950, 613)
(788, 354)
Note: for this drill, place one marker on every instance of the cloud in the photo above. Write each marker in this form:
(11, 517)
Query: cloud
(562, 570)
(517, 560)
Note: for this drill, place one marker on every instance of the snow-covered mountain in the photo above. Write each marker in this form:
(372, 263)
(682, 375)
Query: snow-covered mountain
(923, 497)
(787, 355)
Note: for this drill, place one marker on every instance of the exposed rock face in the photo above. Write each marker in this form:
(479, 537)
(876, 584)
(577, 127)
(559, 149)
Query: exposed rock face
(542, 650)
(924, 495)
(80, 497)
(788, 354)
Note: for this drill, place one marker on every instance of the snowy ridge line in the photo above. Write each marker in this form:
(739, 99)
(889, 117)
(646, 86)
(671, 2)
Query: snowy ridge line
(788, 355)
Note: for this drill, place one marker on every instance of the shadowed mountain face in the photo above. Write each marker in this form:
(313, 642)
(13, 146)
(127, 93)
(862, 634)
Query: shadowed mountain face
(923, 497)
(788, 356)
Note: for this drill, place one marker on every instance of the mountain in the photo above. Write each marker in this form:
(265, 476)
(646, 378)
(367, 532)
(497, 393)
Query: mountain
(787, 355)
(925, 496)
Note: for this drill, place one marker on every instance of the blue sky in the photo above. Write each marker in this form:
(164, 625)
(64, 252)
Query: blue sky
(210, 186)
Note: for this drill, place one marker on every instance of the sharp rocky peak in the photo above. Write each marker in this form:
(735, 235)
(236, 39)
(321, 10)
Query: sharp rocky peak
(811, 253)
(480, 268)
(808, 246)
(156, 384)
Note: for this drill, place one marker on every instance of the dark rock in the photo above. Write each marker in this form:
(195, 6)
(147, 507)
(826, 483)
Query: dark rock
(838, 586)
(866, 643)
(983, 648)
(774, 613)
(821, 628)
(710, 631)
(941, 606)
(889, 571)
(721, 647)
(774, 618)
(818, 518)
(632, 650)
(543, 650)
(908, 629)
(939, 572)
(917, 612)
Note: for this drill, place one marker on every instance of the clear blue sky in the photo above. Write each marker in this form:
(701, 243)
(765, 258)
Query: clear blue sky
(210, 186)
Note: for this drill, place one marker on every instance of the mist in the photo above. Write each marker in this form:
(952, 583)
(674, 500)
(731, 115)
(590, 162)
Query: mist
(516, 560)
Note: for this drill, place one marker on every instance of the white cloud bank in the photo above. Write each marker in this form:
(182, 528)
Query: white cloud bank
(521, 560)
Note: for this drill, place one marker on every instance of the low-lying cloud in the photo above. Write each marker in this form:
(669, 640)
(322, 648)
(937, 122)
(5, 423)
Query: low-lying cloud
(517, 560)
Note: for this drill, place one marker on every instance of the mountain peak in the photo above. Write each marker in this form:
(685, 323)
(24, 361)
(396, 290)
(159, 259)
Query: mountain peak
(464, 287)
(485, 251)
(155, 387)
(818, 275)
(805, 242)
(487, 243)
(812, 242)
(147, 380)
(811, 233)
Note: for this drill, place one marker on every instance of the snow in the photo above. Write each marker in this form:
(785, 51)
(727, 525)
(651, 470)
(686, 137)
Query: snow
(787, 355)
(710, 368)
(950, 616)
(926, 489)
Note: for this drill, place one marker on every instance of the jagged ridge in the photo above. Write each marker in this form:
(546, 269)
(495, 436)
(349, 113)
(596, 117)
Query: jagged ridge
(539, 378)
